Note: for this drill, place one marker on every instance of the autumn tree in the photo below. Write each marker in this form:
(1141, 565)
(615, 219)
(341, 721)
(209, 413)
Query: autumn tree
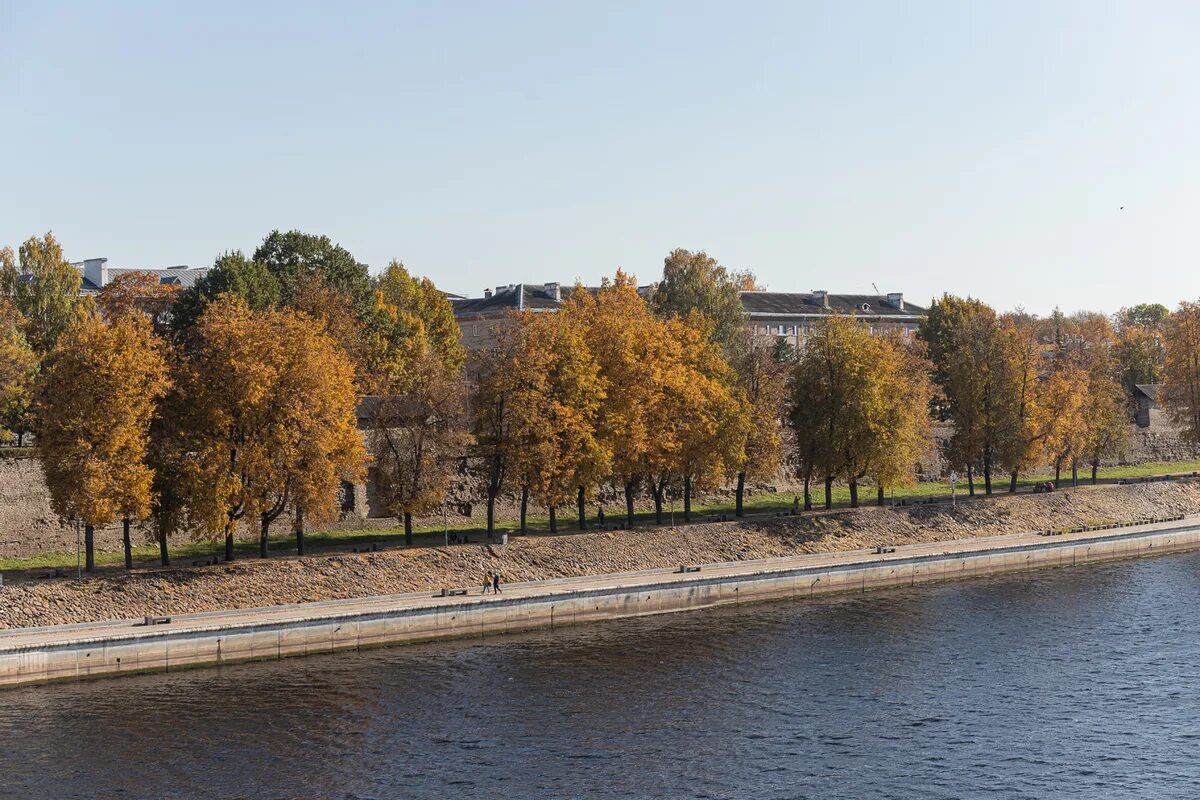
(1090, 343)
(417, 438)
(1059, 416)
(18, 367)
(762, 380)
(138, 293)
(902, 428)
(1022, 358)
(1181, 393)
(962, 336)
(556, 410)
(695, 281)
(270, 419)
(44, 287)
(624, 338)
(97, 394)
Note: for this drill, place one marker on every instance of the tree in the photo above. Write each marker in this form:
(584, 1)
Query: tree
(762, 379)
(18, 368)
(45, 289)
(417, 438)
(696, 282)
(555, 410)
(269, 420)
(903, 430)
(1059, 417)
(1181, 394)
(1139, 348)
(97, 395)
(624, 338)
(433, 316)
(1021, 359)
(289, 256)
(232, 273)
(1091, 344)
(138, 292)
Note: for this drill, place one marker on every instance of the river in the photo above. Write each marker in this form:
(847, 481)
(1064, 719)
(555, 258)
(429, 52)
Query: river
(1061, 683)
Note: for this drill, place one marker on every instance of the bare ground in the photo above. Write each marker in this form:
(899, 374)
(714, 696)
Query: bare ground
(251, 583)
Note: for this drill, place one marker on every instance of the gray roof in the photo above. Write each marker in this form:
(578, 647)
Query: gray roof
(805, 303)
(516, 296)
(1151, 390)
(182, 276)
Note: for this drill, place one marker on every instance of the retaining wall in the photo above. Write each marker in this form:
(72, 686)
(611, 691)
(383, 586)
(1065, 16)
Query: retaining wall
(69, 652)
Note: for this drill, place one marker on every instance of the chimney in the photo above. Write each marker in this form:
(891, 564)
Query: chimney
(896, 300)
(487, 293)
(96, 271)
(821, 297)
(554, 290)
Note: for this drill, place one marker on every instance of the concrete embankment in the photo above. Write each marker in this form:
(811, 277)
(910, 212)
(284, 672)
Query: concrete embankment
(75, 651)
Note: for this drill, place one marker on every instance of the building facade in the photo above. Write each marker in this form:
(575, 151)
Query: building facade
(789, 315)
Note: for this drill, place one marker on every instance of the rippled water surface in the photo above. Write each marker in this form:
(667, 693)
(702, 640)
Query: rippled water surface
(1067, 683)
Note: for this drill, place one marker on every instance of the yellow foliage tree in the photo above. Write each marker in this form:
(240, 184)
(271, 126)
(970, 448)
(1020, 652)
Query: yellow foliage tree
(1059, 417)
(624, 337)
(270, 413)
(96, 396)
(45, 287)
(138, 292)
(762, 380)
(18, 367)
(1181, 394)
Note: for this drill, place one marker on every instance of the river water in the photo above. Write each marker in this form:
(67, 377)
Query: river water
(1063, 683)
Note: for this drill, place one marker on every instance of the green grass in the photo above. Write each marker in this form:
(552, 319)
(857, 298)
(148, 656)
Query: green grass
(182, 553)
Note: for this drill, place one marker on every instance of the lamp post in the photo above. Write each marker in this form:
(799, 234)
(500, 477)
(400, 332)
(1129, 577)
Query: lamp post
(953, 488)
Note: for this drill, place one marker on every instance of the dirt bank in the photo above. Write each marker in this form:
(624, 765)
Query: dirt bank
(246, 584)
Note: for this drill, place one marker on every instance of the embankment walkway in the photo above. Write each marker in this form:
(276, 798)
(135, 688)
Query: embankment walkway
(29, 655)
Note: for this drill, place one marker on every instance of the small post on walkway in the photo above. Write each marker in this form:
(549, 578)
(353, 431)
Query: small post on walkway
(953, 488)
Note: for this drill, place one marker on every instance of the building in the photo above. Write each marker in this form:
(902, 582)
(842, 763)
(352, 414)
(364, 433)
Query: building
(791, 315)
(97, 274)
(1147, 403)
(786, 314)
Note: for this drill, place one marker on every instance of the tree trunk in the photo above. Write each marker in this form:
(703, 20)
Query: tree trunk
(581, 502)
(553, 521)
(687, 498)
(629, 505)
(491, 511)
(879, 498)
(828, 492)
(299, 531)
(853, 493)
(739, 511)
(128, 545)
(1095, 469)
(1074, 473)
(524, 506)
(807, 493)
(658, 503)
(408, 529)
(21, 437)
(89, 548)
(264, 540)
(229, 542)
(163, 555)
(1012, 483)
(1057, 471)
(970, 480)
(987, 475)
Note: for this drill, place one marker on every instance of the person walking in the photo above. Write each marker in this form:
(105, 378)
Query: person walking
(496, 582)
(487, 581)
(600, 516)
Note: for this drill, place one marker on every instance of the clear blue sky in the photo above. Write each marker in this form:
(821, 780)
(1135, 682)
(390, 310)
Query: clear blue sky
(972, 147)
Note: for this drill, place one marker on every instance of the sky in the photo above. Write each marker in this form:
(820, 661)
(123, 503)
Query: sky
(982, 148)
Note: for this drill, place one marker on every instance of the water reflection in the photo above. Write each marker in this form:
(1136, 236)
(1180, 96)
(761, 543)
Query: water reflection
(1053, 684)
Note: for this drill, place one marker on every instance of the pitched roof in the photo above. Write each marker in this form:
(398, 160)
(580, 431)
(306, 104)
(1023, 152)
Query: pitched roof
(1151, 390)
(795, 303)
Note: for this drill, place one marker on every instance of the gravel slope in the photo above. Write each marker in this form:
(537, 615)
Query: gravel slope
(251, 583)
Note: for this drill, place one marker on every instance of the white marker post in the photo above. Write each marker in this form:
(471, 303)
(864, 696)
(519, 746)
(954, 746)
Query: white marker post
(953, 488)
